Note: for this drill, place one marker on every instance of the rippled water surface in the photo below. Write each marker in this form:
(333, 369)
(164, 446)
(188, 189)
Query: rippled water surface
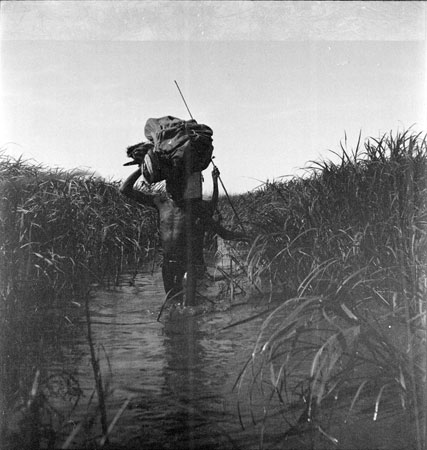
(178, 373)
(175, 377)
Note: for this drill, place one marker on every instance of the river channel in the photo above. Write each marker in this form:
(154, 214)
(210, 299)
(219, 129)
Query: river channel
(174, 378)
(177, 374)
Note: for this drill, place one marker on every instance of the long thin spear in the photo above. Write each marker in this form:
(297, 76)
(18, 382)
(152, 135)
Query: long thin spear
(220, 180)
(229, 200)
(183, 99)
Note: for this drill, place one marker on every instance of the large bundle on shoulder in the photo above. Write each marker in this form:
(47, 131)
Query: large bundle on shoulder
(178, 145)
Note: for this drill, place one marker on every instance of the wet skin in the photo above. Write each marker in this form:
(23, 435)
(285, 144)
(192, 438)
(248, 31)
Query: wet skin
(182, 227)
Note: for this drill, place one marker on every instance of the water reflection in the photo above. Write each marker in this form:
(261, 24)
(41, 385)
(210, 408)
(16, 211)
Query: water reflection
(179, 373)
(192, 384)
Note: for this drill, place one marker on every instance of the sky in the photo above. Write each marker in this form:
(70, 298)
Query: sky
(280, 83)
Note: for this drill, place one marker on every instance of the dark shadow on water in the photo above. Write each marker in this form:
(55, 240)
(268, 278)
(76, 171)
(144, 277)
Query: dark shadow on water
(178, 376)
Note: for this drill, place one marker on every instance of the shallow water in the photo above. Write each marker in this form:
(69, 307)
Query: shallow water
(178, 377)
(178, 374)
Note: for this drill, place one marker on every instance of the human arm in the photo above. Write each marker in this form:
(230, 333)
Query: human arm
(214, 199)
(211, 205)
(202, 211)
(222, 232)
(127, 189)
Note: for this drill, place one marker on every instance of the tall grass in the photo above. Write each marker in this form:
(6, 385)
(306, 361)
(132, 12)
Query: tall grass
(346, 245)
(61, 227)
(61, 231)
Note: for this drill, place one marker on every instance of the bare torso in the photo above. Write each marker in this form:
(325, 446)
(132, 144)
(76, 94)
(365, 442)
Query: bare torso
(182, 227)
(178, 231)
(172, 227)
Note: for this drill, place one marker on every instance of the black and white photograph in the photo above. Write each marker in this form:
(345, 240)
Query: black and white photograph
(213, 225)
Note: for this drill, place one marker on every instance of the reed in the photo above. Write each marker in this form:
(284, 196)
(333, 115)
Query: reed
(58, 225)
(346, 246)
(61, 232)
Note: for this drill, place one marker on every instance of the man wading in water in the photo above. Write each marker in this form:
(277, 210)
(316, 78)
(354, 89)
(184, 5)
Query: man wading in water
(183, 222)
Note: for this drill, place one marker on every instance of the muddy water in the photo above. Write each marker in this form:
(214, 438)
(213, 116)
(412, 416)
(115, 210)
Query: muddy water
(176, 378)
(177, 373)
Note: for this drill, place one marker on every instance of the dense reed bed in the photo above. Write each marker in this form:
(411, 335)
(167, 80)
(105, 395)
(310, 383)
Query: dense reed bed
(61, 232)
(61, 228)
(340, 254)
(346, 247)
